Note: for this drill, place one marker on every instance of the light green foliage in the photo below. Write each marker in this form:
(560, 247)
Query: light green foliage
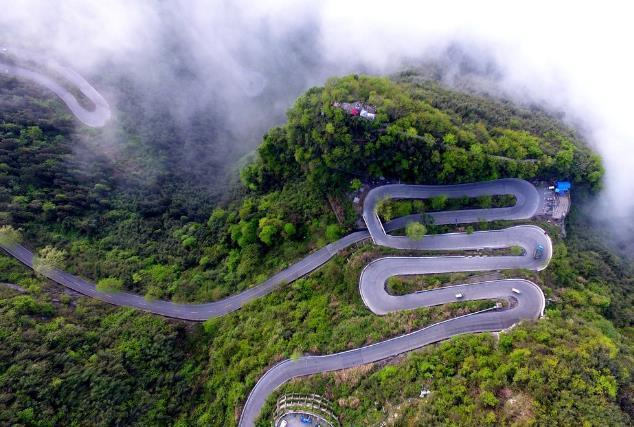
(189, 242)
(517, 250)
(269, 229)
(267, 233)
(9, 235)
(356, 184)
(438, 203)
(47, 259)
(574, 366)
(158, 279)
(488, 399)
(245, 232)
(289, 230)
(415, 230)
(25, 304)
(333, 232)
(110, 284)
(486, 202)
(384, 209)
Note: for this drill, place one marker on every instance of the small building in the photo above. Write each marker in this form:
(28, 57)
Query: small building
(366, 114)
(357, 108)
(562, 187)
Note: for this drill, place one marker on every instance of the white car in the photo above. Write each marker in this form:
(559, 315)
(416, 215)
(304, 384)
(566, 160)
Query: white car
(517, 291)
(458, 296)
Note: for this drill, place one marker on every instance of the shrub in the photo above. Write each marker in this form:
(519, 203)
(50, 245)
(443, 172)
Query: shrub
(9, 235)
(415, 230)
(110, 284)
(333, 232)
(47, 259)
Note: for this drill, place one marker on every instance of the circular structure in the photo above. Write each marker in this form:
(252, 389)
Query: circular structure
(299, 410)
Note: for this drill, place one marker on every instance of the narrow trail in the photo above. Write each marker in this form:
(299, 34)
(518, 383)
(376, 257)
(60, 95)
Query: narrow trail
(526, 297)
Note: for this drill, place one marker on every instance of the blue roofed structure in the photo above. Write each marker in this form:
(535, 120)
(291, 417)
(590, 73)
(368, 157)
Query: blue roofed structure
(562, 187)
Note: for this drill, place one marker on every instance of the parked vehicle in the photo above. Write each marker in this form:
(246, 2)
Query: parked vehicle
(517, 291)
(458, 295)
(539, 252)
(305, 419)
(284, 423)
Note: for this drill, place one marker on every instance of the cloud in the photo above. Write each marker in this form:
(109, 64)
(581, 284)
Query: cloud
(247, 60)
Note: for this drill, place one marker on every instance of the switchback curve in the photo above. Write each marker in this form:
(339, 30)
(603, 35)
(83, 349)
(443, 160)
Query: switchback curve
(97, 117)
(527, 297)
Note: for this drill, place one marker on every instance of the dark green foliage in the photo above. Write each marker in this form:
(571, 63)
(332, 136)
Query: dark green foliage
(71, 360)
(412, 140)
(79, 361)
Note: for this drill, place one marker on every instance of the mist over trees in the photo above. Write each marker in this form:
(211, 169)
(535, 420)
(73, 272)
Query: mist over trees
(127, 219)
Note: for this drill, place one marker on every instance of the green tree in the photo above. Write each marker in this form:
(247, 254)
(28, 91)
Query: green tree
(9, 235)
(415, 230)
(188, 241)
(269, 229)
(385, 209)
(485, 202)
(47, 259)
(289, 230)
(333, 232)
(110, 284)
(245, 232)
(438, 203)
(267, 233)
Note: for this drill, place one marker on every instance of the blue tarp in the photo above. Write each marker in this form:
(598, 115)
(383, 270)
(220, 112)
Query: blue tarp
(562, 186)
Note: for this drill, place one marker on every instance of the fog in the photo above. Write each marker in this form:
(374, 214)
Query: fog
(242, 63)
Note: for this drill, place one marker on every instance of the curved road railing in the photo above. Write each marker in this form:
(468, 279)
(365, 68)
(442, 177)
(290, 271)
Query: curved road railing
(528, 299)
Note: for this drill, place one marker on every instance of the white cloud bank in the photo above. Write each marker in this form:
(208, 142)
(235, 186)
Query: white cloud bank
(572, 56)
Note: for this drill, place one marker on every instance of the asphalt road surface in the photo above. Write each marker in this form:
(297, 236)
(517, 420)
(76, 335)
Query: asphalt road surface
(528, 304)
(96, 117)
(196, 312)
(527, 300)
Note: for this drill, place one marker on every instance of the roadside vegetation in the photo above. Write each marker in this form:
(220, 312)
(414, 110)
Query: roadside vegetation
(65, 358)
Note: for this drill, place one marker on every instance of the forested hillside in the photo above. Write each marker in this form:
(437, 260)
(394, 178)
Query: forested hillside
(67, 359)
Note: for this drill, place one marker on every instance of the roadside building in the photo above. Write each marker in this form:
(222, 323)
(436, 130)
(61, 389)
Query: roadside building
(562, 187)
(357, 108)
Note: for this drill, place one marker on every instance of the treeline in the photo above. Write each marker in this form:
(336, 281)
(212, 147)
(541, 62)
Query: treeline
(65, 360)
(410, 140)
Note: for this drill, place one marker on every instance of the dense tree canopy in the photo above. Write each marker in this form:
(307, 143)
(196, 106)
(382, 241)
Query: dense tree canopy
(66, 359)
(410, 140)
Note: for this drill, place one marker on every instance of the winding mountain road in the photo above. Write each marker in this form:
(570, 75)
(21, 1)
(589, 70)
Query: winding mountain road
(528, 304)
(526, 299)
(96, 117)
